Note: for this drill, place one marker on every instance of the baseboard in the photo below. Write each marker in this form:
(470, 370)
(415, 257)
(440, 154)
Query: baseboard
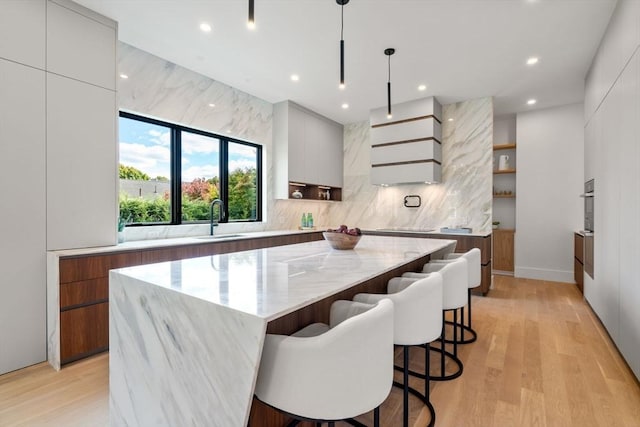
(543, 274)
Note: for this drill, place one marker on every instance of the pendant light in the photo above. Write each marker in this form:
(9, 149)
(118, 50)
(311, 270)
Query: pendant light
(251, 23)
(389, 52)
(342, 3)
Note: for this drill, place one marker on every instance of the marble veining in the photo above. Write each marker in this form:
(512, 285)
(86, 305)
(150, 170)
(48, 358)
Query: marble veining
(176, 360)
(271, 282)
(186, 336)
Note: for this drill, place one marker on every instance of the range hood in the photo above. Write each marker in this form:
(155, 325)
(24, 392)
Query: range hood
(407, 148)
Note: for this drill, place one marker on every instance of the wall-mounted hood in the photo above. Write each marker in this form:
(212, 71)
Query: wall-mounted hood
(406, 149)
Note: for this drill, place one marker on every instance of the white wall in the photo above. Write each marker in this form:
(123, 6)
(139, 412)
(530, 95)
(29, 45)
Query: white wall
(550, 179)
(612, 158)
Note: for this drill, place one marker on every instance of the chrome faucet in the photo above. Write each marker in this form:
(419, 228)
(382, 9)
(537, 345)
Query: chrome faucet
(220, 204)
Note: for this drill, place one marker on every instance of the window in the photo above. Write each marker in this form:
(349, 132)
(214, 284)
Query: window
(170, 174)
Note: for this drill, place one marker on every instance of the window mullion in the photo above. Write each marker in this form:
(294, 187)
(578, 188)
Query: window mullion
(224, 176)
(176, 176)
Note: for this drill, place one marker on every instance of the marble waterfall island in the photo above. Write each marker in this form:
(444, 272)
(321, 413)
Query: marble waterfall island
(186, 336)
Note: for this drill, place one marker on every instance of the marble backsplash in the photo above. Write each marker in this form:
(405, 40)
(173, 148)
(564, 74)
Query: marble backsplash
(463, 199)
(158, 88)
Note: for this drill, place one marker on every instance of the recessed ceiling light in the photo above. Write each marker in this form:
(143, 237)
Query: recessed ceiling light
(450, 119)
(531, 101)
(533, 60)
(345, 106)
(205, 28)
(124, 76)
(295, 77)
(212, 105)
(422, 87)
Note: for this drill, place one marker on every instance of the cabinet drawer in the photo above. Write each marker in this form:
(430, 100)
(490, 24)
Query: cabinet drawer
(94, 267)
(578, 247)
(84, 292)
(578, 274)
(84, 331)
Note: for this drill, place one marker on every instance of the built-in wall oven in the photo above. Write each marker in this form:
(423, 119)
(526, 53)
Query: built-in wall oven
(589, 193)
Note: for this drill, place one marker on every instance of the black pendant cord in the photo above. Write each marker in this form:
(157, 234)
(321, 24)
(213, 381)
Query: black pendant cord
(342, 3)
(389, 52)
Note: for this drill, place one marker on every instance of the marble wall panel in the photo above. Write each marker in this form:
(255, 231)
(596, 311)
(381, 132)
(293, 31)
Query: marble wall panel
(463, 198)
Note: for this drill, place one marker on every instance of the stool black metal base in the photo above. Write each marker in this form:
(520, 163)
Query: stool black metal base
(424, 398)
(462, 327)
(444, 353)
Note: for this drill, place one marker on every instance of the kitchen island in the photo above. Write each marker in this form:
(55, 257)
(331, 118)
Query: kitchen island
(186, 336)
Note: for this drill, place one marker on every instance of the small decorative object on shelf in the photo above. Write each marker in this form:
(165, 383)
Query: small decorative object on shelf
(309, 220)
(343, 238)
(296, 194)
(303, 221)
(495, 225)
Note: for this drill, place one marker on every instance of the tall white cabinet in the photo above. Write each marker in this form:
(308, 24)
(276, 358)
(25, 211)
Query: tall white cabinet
(22, 246)
(57, 155)
(81, 128)
(612, 156)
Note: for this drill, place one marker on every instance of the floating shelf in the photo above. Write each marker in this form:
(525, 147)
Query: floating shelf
(504, 196)
(504, 147)
(505, 171)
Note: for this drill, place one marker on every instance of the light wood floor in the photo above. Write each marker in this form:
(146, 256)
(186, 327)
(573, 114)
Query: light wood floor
(541, 359)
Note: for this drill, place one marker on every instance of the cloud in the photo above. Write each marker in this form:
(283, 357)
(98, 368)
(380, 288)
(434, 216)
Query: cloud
(152, 160)
(193, 143)
(241, 164)
(206, 171)
(159, 138)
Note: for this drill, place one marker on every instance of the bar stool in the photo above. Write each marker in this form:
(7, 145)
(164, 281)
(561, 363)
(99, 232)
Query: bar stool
(454, 296)
(327, 373)
(474, 264)
(417, 305)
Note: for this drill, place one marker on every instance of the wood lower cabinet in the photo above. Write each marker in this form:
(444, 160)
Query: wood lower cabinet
(84, 286)
(84, 331)
(503, 250)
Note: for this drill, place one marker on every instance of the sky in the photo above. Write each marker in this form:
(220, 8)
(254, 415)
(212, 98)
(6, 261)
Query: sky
(146, 147)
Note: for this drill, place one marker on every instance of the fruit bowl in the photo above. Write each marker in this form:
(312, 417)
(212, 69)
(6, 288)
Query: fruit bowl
(341, 241)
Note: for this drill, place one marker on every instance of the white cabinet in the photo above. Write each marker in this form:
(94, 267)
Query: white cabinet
(81, 164)
(81, 44)
(22, 31)
(308, 149)
(22, 246)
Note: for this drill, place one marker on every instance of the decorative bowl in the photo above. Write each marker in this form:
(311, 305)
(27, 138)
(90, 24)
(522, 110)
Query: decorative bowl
(341, 241)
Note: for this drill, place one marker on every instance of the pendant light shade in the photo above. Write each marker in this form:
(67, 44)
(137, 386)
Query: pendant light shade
(389, 52)
(342, 3)
(251, 23)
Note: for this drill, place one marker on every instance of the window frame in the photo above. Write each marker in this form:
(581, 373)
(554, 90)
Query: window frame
(175, 161)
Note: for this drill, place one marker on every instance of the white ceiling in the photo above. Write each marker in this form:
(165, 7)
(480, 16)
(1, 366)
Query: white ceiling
(461, 49)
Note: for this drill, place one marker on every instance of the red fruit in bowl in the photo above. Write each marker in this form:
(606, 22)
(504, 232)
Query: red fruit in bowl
(343, 228)
(358, 231)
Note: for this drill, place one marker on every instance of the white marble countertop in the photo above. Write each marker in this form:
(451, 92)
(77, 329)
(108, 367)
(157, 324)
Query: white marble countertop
(427, 231)
(177, 241)
(269, 283)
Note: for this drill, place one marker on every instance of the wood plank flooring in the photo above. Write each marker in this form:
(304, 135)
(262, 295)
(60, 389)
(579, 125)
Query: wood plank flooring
(542, 359)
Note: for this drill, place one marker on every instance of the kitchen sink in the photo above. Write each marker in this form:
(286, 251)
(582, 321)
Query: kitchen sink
(218, 236)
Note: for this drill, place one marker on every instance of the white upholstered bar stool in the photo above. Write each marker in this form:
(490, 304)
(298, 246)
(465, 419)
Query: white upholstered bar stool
(474, 270)
(327, 373)
(417, 321)
(454, 296)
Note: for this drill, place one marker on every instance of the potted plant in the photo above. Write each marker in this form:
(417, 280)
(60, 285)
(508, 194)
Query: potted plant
(495, 224)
